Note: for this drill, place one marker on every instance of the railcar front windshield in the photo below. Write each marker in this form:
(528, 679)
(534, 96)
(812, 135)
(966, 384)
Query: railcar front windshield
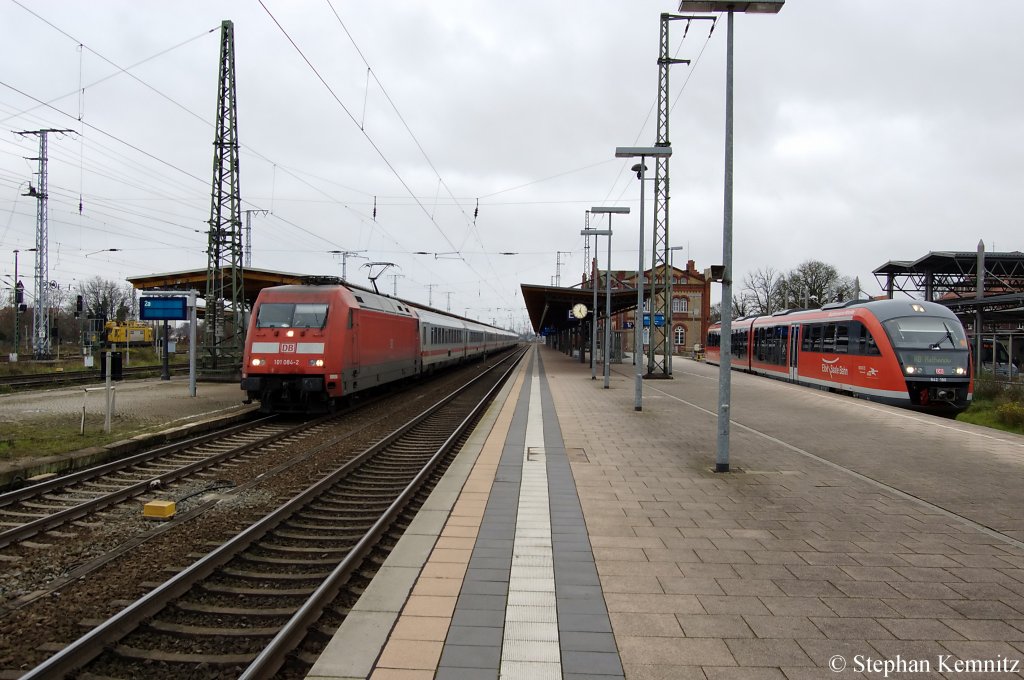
(292, 315)
(925, 332)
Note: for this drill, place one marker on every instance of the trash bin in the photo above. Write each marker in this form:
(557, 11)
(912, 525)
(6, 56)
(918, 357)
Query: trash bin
(116, 370)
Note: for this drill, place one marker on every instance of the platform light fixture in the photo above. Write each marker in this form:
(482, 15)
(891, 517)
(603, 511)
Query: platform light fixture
(730, 7)
(611, 210)
(640, 152)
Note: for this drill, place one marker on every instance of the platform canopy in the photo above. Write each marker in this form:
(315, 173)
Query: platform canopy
(195, 279)
(951, 278)
(948, 274)
(550, 307)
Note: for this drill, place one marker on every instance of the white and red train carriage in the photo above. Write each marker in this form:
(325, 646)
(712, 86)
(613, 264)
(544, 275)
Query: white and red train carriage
(907, 353)
(309, 345)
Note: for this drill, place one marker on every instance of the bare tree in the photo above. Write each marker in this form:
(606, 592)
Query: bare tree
(107, 299)
(763, 290)
(814, 283)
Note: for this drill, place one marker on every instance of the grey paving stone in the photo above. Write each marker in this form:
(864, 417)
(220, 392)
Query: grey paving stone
(563, 555)
(474, 635)
(490, 562)
(591, 663)
(586, 642)
(478, 617)
(484, 588)
(488, 574)
(471, 656)
(580, 606)
(581, 592)
(448, 673)
(482, 602)
(492, 553)
(584, 623)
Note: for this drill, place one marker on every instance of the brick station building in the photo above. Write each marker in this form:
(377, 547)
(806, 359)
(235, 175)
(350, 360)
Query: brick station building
(691, 306)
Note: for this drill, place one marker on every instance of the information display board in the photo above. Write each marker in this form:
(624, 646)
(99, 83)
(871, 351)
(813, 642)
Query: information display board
(163, 308)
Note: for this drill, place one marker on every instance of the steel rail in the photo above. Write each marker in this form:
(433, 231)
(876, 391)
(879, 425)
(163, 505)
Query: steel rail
(78, 377)
(57, 519)
(33, 490)
(86, 648)
(273, 656)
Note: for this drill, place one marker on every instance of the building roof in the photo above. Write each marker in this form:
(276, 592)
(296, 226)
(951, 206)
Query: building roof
(550, 307)
(953, 273)
(254, 280)
(951, 279)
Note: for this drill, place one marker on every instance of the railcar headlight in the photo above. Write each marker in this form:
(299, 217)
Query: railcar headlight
(319, 363)
(259, 362)
(911, 370)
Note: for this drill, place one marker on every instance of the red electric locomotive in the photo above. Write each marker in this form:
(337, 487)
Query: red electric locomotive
(310, 345)
(902, 352)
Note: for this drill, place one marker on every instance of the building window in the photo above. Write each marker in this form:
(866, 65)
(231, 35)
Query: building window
(680, 335)
(680, 304)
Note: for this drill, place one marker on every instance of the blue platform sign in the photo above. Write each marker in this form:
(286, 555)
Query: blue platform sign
(659, 320)
(161, 308)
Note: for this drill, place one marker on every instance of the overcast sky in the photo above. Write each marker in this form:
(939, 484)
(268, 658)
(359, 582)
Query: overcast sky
(866, 130)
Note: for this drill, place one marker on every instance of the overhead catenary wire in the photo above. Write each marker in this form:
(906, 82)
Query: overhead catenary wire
(373, 144)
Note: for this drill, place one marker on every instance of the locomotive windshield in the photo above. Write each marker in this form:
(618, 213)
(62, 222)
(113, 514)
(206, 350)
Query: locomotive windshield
(925, 332)
(291, 315)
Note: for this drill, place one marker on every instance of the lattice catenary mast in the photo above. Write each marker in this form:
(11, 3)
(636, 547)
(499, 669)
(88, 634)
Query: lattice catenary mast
(660, 335)
(41, 305)
(225, 290)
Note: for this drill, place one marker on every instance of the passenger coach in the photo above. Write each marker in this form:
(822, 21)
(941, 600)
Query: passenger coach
(906, 353)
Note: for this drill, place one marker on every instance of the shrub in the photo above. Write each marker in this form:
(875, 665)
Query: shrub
(987, 390)
(1011, 413)
(1012, 392)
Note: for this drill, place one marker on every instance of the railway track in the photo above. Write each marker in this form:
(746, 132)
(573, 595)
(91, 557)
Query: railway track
(270, 596)
(63, 378)
(32, 511)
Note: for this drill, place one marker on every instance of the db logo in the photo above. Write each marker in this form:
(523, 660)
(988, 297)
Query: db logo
(288, 347)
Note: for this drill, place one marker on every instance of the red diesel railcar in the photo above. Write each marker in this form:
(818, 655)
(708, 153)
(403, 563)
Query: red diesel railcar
(902, 352)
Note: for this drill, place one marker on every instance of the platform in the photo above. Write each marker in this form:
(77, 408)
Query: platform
(575, 537)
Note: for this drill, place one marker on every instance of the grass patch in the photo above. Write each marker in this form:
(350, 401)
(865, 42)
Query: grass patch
(39, 438)
(996, 405)
(139, 357)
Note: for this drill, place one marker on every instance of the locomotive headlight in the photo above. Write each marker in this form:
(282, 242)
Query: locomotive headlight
(960, 370)
(290, 334)
(319, 363)
(259, 362)
(911, 370)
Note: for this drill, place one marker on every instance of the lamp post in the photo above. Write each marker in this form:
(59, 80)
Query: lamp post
(725, 365)
(641, 152)
(588, 232)
(612, 210)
